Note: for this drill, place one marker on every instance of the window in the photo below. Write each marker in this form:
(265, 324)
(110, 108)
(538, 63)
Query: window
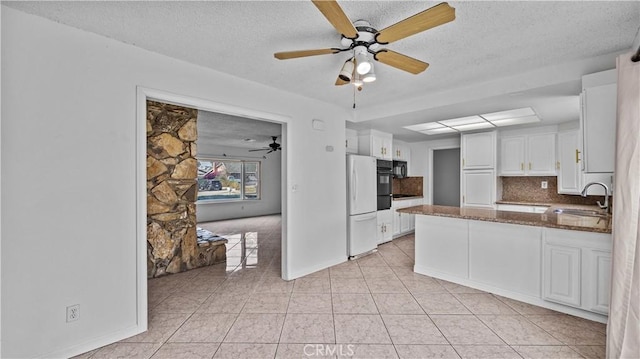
(228, 180)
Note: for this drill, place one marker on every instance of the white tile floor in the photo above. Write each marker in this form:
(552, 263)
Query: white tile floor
(375, 307)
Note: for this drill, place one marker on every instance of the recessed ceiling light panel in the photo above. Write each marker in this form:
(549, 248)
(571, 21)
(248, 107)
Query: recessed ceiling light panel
(474, 126)
(516, 121)
(462, 121)
(502, 115)
(424, 126)
(437, 131)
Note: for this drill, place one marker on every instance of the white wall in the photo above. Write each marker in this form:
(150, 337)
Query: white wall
(270, 180)
(68, 200)
(421, 161)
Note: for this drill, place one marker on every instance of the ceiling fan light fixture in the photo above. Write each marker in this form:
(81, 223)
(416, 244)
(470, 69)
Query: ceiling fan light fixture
(347, 71)
(369, 76)
(364, 65)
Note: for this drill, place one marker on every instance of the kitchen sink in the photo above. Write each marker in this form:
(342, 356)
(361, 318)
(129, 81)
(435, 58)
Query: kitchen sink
(580, 212)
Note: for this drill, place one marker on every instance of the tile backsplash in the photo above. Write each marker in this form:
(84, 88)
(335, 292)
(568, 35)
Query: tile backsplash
(527, 189)
(408, 185)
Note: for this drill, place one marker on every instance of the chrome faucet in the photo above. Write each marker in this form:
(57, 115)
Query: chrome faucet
(604, 206)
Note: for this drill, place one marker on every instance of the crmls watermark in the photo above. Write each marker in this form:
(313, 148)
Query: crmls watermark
(322, 350)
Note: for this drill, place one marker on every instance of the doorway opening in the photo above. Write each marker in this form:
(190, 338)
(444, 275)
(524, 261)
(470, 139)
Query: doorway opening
(142, 128)
(446, 177)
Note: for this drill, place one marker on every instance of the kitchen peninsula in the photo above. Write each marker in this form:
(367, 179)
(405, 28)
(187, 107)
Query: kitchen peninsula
(554, 260)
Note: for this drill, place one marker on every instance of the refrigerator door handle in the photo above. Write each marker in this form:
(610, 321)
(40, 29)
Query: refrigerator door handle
(355, 184)
(367, 218)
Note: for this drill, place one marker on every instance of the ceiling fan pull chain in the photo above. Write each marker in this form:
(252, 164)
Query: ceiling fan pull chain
(354, 97)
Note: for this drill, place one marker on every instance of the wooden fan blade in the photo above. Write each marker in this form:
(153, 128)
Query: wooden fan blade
(400, 61)
(432, 17)
(304, 53)
(333, 12)
(259, 149)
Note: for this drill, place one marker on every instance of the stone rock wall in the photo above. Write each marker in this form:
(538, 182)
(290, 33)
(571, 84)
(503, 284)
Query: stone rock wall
(171, 192)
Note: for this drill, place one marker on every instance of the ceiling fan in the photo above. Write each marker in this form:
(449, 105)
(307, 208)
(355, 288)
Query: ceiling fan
(274, 146)
(363, 40)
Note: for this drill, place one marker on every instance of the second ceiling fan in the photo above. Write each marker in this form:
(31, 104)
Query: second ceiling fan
(364, 40)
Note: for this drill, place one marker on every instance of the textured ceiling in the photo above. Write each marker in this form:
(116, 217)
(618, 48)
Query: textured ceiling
(218, 129)
(488, 40)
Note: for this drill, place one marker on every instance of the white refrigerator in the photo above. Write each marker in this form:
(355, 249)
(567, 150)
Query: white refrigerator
(361, 205)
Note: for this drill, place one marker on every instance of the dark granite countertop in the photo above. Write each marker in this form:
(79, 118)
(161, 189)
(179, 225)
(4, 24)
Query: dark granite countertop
(547, 219)
(401, 197)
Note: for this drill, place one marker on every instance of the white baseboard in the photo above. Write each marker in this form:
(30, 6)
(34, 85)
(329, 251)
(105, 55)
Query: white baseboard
(537, 301)
(321, 266)
(97, 342)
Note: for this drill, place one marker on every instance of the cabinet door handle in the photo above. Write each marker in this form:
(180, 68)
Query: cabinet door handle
(558, 165)
(346, 143)
(463, 162)
(521, 166)
(577, 156)
(529, 166)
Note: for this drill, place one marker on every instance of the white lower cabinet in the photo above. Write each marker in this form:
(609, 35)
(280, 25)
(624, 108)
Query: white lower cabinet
(577, 269)
(562, 274)
(598, 280)
(403, 223)
(564, 270)
(385, 226)
(442, 246)
(496, 247)
(407, 221)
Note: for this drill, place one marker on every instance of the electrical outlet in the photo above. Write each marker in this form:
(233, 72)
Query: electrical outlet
(543, 184)
(73, 313)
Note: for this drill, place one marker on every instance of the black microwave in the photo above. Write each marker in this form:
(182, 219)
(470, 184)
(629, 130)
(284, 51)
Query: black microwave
(399, 169)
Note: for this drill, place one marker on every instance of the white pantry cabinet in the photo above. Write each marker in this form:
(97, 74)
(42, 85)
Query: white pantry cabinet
(598, 121)
(478, 188)
(351, 141)
(478, 150)
(385, 226)
(577, 269)
(528, 155)
(375, 143)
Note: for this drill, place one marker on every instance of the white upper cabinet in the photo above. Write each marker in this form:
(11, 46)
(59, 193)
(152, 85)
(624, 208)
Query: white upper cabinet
(375, 143)
(541, 154)
(512, 156)
(478, 150)
(528, 155)
(401, 151)
(598, 121)
(569, 163)
(351, 141)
